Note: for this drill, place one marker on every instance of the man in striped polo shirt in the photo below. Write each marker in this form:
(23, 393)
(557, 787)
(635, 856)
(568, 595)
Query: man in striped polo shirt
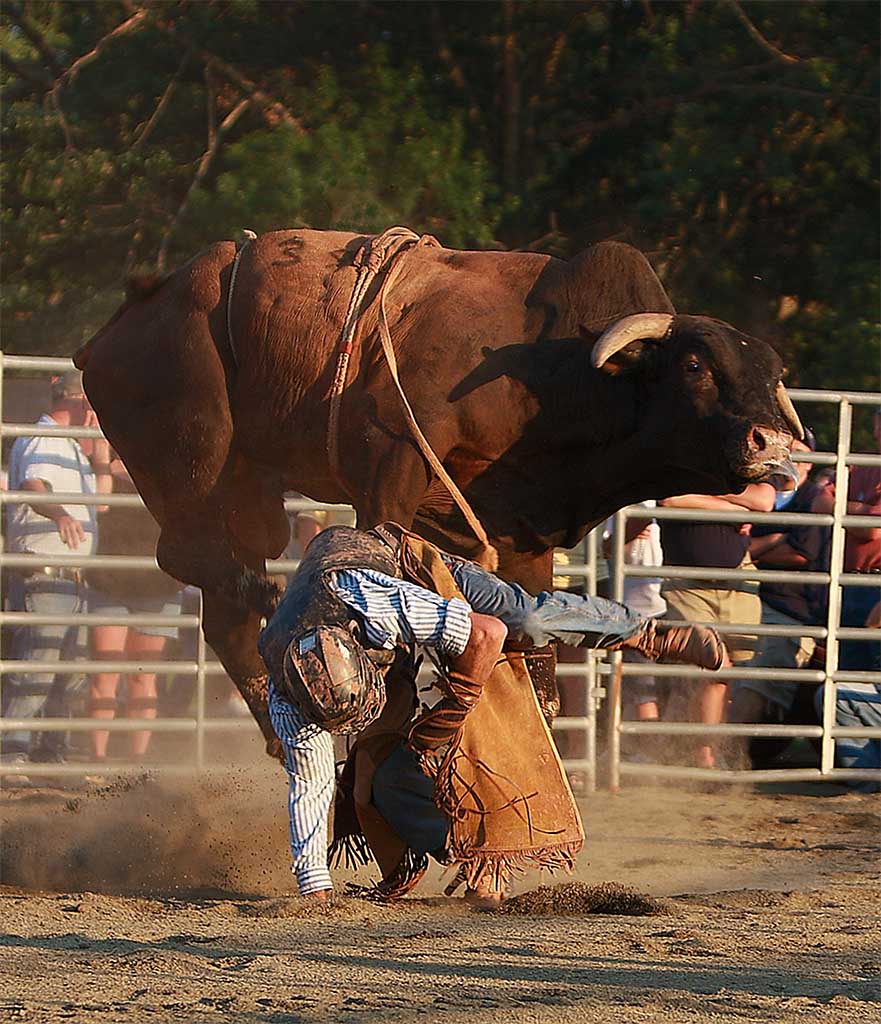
(41, 466)
(349, 606)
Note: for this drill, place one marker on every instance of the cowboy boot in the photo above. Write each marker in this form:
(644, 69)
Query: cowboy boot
(688, 645)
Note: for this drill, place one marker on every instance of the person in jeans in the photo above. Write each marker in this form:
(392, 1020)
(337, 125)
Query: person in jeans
(856, 705)
(43, 465)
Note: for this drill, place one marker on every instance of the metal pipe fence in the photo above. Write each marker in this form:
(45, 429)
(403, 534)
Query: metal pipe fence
(830, 676)
(600, 676)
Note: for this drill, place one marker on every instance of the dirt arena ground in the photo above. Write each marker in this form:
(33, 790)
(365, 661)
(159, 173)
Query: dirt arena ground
(171, 901)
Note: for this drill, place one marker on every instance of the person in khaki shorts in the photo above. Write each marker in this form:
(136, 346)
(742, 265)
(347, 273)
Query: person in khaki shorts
(724, 546)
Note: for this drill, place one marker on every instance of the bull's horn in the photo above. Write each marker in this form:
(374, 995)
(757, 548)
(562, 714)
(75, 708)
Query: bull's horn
(789, 413)
(630, 328)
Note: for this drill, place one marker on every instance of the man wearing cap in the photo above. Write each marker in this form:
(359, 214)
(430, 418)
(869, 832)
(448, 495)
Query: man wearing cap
(43, 465)
(361, 600)
(800, 546)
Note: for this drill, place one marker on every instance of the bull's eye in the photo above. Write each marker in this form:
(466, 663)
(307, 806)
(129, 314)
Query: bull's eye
(693, 366)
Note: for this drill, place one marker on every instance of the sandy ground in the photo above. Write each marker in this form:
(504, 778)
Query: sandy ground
(171, 901)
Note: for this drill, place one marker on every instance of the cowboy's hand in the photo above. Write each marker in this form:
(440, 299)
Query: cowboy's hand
(71, 531)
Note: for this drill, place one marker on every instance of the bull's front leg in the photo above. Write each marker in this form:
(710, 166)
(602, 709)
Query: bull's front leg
(232, 632)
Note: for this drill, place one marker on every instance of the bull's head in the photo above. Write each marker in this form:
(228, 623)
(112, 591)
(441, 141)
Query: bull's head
(709, 388)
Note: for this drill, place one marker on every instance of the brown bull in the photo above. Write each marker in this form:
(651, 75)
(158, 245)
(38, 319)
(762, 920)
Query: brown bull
(549, 402)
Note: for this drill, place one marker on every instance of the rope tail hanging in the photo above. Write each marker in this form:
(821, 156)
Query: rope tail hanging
(384, 251)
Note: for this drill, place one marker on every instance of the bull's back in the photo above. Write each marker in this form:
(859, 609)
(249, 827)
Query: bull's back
(293, 293)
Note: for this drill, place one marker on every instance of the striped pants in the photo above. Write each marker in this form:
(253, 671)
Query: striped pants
(309, 761)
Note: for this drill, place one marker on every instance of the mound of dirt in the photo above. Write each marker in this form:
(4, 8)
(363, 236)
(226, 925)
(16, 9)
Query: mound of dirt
(577, 898)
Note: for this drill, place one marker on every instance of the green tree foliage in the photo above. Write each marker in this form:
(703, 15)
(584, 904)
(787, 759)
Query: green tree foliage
(735, 142)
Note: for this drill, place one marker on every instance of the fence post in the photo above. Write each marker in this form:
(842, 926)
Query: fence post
(200, 689)
(836, 563)
(613, 696)
(3, 509)
(590, 697)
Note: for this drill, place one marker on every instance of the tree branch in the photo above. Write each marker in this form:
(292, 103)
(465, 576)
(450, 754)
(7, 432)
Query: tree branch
(51, 101)
(164, 100)
(769, 47)
(553, 61)
(135, 22)
(209, 104)
(273, 109)
(201, 171)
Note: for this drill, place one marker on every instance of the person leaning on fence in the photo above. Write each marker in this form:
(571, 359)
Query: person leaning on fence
(794, 547)
(714, 545)
(43, 465)
(361, 599)
(857, 705)
(862, 554)
(127, 530)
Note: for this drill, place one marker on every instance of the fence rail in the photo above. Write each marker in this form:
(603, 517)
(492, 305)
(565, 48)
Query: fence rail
(601, 677)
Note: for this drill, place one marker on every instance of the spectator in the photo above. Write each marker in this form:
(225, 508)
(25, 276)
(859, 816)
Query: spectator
(786, 604)
(304, 528)
(717, 545)
(862, 554)
(128, 531)
(43, 465)
(858, 704)
(642, 546)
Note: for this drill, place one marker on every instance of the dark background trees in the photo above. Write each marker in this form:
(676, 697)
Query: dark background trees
(735, 143)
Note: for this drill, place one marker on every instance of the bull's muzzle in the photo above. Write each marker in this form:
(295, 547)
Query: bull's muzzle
(767, 455)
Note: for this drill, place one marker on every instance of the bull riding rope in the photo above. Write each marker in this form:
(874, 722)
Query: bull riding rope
(384, 251)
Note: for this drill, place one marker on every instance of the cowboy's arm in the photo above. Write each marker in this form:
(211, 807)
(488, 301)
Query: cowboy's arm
(396, 611)
(310, 766)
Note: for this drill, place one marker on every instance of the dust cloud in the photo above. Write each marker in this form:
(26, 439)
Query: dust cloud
(223, 833)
